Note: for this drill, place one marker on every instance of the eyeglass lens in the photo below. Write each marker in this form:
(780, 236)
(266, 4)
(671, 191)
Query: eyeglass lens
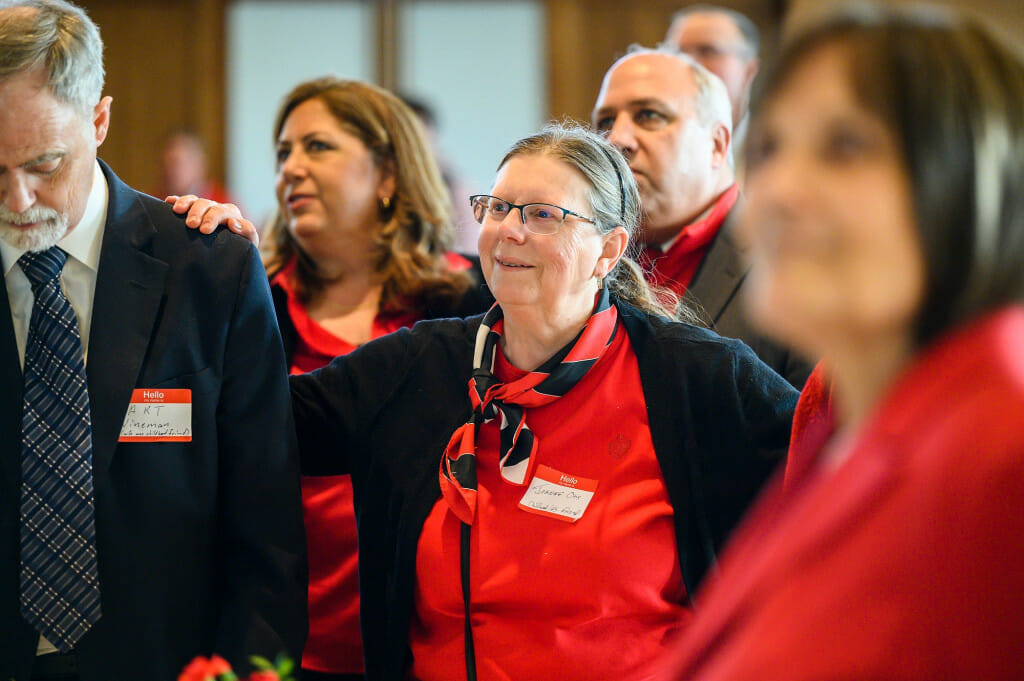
(540, 218)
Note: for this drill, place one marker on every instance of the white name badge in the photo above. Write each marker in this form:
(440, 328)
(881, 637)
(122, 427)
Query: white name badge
(558, 495)
(158, 416)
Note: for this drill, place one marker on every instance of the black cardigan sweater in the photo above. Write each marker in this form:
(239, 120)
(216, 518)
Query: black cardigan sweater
(719, 419)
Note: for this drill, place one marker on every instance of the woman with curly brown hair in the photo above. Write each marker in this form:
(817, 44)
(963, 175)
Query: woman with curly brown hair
(360, 249)
(365, 224)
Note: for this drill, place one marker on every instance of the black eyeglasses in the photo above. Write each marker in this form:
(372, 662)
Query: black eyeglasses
(539, 218)
(707, 51)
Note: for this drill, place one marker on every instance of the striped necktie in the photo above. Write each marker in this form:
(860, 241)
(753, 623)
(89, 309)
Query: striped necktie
(60, 594)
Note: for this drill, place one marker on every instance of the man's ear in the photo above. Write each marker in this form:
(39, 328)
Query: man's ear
(750, 72)
(101, 119)
(721, 140)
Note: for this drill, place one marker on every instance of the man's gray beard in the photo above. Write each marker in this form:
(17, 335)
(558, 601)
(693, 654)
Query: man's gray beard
(52, 228)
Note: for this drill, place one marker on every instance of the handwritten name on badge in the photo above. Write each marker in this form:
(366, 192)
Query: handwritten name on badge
(558, 495)
(158, 416)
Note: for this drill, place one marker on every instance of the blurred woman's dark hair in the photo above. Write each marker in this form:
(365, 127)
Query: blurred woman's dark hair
(953, 97)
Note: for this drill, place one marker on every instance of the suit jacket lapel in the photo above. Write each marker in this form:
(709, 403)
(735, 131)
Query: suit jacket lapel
(10, 400)
(129, 286)
(720, 275)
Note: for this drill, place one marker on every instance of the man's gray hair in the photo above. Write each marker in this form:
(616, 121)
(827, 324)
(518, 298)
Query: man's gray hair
(61, 39)
(747, 28)
(712, 103)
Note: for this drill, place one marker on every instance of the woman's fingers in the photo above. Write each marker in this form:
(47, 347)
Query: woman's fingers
(206, 215)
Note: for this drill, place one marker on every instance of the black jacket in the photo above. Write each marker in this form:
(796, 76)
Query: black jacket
(719, 419)
(716, 293)
(200, 544)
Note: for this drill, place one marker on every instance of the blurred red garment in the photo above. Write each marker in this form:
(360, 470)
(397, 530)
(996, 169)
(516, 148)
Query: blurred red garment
(904, 560)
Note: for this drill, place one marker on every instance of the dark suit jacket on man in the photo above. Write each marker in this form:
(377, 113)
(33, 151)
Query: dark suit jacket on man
(716, 292)
(200, 544)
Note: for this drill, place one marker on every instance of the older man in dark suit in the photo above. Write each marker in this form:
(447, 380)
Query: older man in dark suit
(149, 500)
(672, 120)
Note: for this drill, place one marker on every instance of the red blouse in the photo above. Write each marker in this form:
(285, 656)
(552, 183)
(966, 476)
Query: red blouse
(595, 598)
(334, 644)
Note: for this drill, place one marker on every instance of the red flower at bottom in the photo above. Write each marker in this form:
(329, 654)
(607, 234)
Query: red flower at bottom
(264, 675)
(217, 669)
(202, 669)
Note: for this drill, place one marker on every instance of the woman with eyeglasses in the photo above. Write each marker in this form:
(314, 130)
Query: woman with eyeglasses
(886, 220)
(539, 490)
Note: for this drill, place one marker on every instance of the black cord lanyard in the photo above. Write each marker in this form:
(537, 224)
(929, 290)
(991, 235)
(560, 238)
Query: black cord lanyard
(464, 561)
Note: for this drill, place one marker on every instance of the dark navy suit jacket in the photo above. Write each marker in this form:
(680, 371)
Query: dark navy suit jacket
(200, 544)
(716, 292)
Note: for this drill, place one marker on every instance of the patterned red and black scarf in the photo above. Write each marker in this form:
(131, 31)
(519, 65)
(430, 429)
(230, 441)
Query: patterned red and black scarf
(492, 399)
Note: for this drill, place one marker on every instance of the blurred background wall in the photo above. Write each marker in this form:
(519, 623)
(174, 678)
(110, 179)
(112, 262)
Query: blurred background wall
(493, 70)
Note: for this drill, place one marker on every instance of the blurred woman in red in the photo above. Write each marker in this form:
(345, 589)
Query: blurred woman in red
(886, 220)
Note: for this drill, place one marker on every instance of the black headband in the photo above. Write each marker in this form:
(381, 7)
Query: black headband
(622, 189)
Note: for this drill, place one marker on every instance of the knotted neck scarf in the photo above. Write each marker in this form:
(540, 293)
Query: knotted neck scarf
(509, 402)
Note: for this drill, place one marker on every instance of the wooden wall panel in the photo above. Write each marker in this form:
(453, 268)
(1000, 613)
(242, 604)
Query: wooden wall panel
(165, 69)
(166, 61)
(585, 37)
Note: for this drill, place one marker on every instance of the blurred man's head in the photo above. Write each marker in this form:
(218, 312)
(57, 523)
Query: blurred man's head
(51, 119)
(671, 119)
(183, 164)
(726, 43)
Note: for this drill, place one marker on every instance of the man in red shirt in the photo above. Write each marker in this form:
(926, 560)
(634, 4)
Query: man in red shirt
(672, 120)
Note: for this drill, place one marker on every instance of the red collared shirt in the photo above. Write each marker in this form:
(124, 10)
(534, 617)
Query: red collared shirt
(674, 267)
(598, 598)
(334, 644)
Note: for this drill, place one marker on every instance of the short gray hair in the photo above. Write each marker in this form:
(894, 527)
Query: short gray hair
(58, 37)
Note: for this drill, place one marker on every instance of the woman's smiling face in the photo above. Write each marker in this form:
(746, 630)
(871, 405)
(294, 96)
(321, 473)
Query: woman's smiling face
(829, 214)
(557, 271)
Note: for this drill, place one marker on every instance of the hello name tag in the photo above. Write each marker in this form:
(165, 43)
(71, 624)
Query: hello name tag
(158, 416)
(558, 495)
